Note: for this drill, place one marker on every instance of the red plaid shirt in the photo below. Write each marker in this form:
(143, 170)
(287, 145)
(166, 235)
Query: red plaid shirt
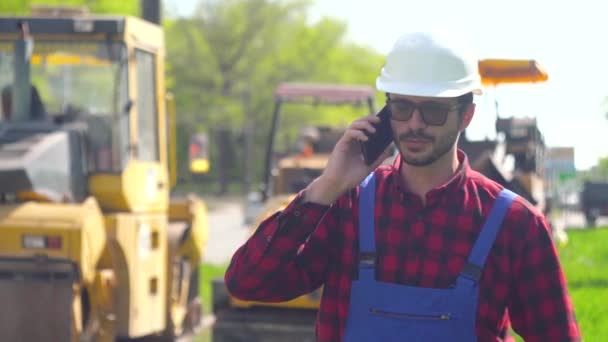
(307, 245)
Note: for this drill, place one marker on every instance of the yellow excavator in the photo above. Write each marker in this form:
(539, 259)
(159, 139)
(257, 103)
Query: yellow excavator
(238, 320)
(93, 247)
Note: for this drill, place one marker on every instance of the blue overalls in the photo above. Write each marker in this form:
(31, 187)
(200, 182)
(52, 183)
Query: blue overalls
(381, 311)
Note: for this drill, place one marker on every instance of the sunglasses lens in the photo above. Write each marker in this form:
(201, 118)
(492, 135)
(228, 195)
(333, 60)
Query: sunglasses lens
(434, 115)
(401, 110)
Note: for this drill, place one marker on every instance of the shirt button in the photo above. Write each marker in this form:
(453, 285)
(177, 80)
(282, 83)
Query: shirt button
(296, 213)
(268, 238)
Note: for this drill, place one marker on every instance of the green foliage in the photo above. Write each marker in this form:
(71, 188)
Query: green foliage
(225, 61)
(130, 7)
(12, 7)
(602, 167)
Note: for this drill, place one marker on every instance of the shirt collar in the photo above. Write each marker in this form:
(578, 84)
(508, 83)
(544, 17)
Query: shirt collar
(455, 183)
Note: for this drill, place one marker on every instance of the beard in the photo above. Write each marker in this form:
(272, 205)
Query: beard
(439, 147)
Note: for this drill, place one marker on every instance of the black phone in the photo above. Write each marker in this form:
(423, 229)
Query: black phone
(379, 140)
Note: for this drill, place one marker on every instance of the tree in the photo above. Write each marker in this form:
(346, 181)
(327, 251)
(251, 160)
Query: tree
(130, 7)
(602, 168)
(226, 60)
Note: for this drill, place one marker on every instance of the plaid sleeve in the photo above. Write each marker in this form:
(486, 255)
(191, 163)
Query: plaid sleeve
(273, 265)
(540, 307)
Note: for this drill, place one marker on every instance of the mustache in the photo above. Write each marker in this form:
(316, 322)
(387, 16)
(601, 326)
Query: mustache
(415, 135)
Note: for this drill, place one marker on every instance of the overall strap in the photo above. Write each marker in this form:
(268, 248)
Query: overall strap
(367, 194)
(489, 231)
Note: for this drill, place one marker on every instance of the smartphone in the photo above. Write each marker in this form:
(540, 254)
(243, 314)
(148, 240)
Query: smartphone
(379, 140)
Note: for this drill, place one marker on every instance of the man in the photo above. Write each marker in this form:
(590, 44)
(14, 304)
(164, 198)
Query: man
(425, 249)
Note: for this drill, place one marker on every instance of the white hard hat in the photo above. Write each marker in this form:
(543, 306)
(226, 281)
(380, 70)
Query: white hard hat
(431, 65)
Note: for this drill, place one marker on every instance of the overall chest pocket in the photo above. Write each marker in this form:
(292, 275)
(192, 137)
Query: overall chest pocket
(412, 325)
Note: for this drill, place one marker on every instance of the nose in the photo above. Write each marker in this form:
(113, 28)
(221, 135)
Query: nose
(416, 122)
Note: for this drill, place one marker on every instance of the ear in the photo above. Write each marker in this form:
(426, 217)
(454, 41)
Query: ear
(467, 116)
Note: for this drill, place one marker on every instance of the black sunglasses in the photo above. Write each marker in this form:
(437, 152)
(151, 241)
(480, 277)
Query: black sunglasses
(432, 113)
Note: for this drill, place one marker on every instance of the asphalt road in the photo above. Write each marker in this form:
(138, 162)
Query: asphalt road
(226, 230)
(574, 220)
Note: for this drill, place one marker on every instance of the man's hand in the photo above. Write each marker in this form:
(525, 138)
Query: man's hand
(346, 167)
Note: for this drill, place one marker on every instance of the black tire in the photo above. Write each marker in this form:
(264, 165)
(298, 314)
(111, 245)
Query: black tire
(259, 324)
(591, 219)
(193, 320)
(220, 296)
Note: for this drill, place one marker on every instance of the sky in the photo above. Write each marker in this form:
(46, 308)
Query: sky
(567, 38)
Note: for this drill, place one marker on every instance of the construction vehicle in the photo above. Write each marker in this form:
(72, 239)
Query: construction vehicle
(199, 153)
(93, 246)
(237, 320)
(515, 158)
(594, 201)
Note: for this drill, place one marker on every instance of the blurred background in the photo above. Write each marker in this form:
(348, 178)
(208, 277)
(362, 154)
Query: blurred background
(242, 123)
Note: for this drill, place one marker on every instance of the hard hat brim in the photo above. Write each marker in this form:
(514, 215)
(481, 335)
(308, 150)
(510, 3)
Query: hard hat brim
(425, 90)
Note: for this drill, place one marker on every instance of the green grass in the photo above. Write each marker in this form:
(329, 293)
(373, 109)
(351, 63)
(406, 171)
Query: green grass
(208, 272)
(204, 336)
(585, 262)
